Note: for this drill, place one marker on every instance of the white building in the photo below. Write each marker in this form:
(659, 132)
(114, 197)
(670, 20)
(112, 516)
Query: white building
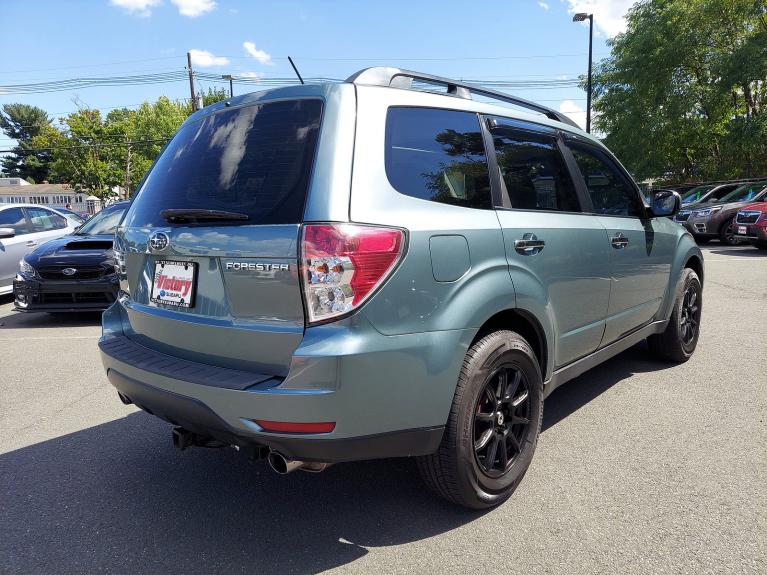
(54, 195)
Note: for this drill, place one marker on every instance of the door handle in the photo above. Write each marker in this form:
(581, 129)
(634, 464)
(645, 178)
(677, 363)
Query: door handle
(619, 241)
(31, 244)
(529, 245)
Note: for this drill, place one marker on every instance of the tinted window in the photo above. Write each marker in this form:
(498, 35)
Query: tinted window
(744, 193)
(45, 220)
(14, 218)
(610, 192)
(254, 160)
(534, 171)
(105, 222)
(437, 155)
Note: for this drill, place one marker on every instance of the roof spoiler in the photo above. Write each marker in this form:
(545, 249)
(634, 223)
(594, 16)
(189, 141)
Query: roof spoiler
(398, 78)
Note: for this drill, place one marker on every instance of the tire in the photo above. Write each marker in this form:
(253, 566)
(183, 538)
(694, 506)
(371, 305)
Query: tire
(478, 478)
(727, 233)
(678, 342)
(761, 245)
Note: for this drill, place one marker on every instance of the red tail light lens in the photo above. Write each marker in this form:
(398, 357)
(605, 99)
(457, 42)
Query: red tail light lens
(293, 427)
(344, 263)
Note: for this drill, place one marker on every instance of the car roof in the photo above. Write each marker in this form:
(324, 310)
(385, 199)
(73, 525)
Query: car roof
(422, 98)
(6, 206)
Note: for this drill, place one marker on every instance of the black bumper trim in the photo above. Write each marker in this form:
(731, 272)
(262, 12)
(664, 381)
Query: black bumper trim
(127, 351)
(197, 417)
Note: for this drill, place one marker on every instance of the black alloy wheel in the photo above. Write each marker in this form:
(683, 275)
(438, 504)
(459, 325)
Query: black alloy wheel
(727, 233)
(689, 318)
(493, 425)
(501, 420)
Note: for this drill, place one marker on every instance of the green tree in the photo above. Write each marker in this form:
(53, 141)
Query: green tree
(684, 93)
(22, 123)
(96, 153)
(213, 95)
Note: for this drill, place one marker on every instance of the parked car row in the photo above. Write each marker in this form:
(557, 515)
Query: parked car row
(72, 273)
(22, 228)
(713, 217)
(53, 260)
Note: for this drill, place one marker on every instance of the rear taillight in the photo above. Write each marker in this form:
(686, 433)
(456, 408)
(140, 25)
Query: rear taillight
(344, 263)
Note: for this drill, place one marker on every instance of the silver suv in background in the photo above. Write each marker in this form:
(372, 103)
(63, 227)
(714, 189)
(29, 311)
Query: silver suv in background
(369, 269)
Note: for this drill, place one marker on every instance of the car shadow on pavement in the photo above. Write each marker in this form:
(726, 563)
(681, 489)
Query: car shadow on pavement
(744, 251)
(22, 320)
(118, 498)
(574, 394)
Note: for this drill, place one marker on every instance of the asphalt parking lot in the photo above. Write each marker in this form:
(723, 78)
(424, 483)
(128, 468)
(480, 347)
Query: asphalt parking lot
(642, 467)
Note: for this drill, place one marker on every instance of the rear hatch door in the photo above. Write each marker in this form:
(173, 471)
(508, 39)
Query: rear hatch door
(210, 244)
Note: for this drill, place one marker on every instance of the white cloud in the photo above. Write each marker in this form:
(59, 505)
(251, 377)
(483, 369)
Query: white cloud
(194, 8)
(251, 75)
(205, 59)
(544, 6)
(259, 55)
(141, 8)
(573, 111)
(609, 15)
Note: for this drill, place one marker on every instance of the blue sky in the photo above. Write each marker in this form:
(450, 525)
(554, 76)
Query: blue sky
(480, 40)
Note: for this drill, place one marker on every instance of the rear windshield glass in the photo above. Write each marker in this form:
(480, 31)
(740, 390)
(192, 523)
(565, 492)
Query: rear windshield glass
(254, 160)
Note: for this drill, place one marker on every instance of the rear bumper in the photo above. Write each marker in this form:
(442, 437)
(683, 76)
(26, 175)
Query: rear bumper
(32, 295)
(194, 415)
(389, 396)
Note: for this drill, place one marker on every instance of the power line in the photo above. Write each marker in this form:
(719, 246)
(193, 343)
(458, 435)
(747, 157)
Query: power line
(85, 146)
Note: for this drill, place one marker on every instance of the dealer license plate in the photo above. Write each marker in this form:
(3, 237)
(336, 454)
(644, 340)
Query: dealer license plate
(742, 230)
(174, 283)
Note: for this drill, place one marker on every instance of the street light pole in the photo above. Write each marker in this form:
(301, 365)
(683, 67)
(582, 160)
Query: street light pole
(230, 78)
(580, 17)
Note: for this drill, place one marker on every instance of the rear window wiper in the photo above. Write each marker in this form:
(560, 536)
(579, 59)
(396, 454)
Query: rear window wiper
(198, 215)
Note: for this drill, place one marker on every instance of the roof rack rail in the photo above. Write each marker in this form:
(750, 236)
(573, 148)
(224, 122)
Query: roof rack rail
(398, 78)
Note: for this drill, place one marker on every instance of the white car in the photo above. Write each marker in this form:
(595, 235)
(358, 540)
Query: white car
(23, 227)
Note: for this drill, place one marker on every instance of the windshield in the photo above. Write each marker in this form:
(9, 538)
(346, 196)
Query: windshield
(695, 194)
(744, 193)
(103, 223)
(254, 160)
(70, 215)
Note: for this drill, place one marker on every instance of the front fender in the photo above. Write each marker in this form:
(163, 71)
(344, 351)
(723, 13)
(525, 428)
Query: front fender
(686, 250)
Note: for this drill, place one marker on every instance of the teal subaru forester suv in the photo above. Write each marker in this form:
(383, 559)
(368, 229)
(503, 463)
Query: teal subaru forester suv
(395, 265)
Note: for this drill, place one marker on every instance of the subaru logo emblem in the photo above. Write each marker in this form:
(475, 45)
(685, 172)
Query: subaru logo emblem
(158, 241)
(69, 271)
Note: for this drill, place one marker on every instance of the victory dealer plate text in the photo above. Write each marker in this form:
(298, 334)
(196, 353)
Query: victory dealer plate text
(174, 283)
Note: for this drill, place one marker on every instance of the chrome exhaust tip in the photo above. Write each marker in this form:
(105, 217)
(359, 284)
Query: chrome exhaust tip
(280, 464)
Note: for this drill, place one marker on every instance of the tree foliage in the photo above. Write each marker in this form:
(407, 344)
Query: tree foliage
(684, 92)
(94, 152)
(89, 150)
(22, 123)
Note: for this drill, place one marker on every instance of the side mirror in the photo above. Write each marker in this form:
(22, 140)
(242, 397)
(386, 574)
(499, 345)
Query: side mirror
(665, 203)
(6, 233)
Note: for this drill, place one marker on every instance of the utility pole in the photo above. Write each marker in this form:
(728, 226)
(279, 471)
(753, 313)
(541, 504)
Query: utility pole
(126, 182)
(191, 81)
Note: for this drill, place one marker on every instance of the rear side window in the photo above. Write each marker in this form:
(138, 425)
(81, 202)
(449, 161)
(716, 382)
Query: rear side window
(45, 220)
(255, 160)
(534, 171)
(14, 218)
(437, 155)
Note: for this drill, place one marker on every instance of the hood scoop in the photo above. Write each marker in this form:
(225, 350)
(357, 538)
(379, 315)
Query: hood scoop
(89, 245)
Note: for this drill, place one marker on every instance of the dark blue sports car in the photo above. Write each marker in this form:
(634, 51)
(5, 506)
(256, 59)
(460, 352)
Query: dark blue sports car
(72, 273)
